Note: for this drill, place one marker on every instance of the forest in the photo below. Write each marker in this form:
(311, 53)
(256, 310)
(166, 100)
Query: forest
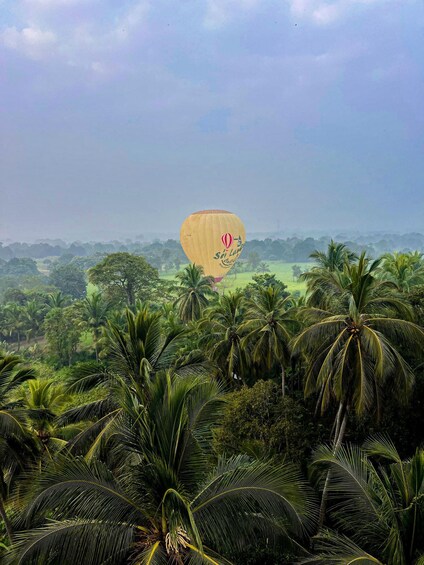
(149, 419)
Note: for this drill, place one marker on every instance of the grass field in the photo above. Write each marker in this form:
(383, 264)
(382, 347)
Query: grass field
(282, 271)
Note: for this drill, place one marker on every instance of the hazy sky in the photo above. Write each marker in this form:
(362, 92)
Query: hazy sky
(121, 117)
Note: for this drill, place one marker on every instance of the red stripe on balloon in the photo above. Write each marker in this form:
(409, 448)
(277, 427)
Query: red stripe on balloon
(227, 240)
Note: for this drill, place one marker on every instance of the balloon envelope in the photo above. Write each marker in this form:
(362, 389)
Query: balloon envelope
(213, 239)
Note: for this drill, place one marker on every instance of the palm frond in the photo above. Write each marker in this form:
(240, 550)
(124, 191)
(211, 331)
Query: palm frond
(240, 487)
(73, 487)
(73, 541)
(335, 549)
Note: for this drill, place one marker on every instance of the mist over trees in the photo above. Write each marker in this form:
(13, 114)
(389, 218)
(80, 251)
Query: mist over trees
(158, 252)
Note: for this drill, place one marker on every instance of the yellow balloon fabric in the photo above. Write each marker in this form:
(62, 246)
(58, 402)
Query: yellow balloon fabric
(213, 239)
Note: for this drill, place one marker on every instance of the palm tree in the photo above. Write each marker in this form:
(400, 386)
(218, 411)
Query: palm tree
(13, 431)
(15, 320)
(221, 335)
(378, 510)
(167, 503)
(170, 318)
(33, 314)
(136, 355)
(193, 292)
(42, 400)
(144, 348)
(353, 354)
(17, 456)
(262, 267)
(403, 269)
(335, 258)
(329, 265)
(57, 300)
(269, 327)
(94, 313)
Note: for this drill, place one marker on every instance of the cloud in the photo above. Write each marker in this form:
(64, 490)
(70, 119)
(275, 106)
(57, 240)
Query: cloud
(221, 12)
(84, 38)
(30, 41)
(325, 12)
(130, 21)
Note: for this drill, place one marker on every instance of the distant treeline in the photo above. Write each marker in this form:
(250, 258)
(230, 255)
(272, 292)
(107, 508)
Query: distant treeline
(291, 249)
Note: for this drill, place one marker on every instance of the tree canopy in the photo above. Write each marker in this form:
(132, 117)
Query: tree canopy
(170, 422)
(124, 277)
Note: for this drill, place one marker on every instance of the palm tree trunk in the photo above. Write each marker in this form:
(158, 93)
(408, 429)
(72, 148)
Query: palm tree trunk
(6, 520)
(336, 426)
(340, 428)
(412, 544)
(96, 345)
(342, 431)
(283, 381)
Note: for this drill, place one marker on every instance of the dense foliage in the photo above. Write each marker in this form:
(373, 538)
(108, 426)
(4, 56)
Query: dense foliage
(146, 422)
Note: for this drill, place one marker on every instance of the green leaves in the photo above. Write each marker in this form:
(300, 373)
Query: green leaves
(269, 327)
(193, 292)
(352, 354)
(73, 541)
(221, 336)
(90, 491)
(240, 486)
(403, 270)
(160, 497)
(335, 549)
(124, 277)
(378, 509)
(144, 348)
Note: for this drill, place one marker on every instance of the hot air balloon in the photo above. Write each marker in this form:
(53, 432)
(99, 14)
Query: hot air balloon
(213, 239)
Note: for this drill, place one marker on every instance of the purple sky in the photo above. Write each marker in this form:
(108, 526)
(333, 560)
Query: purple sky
(122, 117)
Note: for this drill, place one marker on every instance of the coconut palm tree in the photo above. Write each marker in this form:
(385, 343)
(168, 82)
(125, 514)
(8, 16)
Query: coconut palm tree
(33, 315)
(14, 321)
(269, 326)
(13, 372)
(221, 336)
(193, 292)
(167, 503)
(170, 318)
(13, 430)
(352, 354)
(335, 258)
(18, 454)
(144, 348)
(42, 401)
(263, 267)
(135, 356)
(404, 269)
(328, 265)
(94, 314)
(353, 351)
(377, 505)
(57, 300)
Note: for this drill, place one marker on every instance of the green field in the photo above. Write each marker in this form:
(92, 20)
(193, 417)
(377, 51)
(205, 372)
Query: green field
(282, 271)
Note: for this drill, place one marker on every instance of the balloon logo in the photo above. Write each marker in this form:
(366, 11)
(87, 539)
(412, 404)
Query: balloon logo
(213, 239)
(227, 240)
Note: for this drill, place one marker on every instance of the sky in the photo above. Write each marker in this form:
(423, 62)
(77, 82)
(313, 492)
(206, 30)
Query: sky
(120, 118)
